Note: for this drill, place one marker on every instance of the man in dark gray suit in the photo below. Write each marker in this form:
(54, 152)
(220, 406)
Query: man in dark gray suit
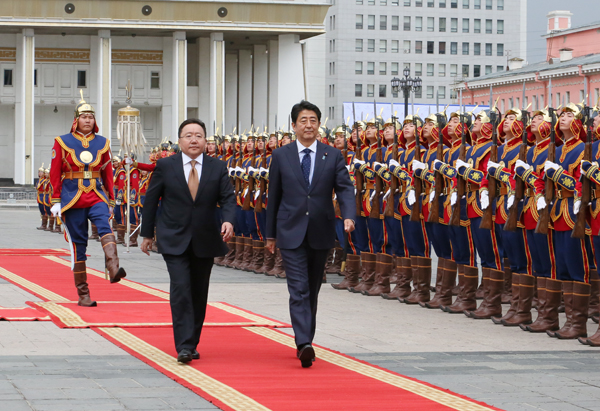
(301, 217)
(189, 186)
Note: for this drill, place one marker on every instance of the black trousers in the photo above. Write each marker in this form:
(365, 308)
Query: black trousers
(304, 267)
(190, 277)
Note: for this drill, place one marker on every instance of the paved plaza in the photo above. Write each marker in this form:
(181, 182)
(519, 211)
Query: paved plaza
(43, 367)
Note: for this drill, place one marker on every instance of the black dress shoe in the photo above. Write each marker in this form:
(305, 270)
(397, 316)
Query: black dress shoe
(306, 355)
(195, 355)
(184, 356)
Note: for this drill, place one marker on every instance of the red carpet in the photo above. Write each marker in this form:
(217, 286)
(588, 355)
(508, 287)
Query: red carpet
(29, 251)
(22, 314)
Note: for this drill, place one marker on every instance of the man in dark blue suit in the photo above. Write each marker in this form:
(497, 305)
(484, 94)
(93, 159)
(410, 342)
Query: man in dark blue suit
(301, 218)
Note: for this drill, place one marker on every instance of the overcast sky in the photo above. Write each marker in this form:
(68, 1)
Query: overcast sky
(584, 12)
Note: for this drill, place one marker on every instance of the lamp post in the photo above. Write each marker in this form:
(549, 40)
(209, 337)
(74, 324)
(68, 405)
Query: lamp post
(407, 84)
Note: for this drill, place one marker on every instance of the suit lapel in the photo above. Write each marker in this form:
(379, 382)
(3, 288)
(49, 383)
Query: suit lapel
(204, 177)
(179, 174)
(294, 159)
(320, 159)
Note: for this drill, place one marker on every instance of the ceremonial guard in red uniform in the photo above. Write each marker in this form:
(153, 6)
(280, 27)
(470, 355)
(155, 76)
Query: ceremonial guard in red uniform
(40, 188)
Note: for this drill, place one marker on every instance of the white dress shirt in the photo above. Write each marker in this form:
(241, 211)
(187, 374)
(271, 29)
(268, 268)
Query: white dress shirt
(187, 165)
(313, 156)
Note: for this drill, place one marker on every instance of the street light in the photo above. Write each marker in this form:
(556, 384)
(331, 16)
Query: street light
(406, 84)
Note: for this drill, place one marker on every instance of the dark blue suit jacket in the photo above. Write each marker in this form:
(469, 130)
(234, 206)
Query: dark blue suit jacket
(295, 212)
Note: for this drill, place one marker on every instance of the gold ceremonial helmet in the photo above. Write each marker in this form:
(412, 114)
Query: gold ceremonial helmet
(517, 113)
(116, 158)
(544, 113)
(390, 122)
(432, 118)
(41, 168)
(212, 139)
(83, 107)
(576, 109)
(484, 116)
(409, 119)
(227, 138)
(340, 130)
(243, 138)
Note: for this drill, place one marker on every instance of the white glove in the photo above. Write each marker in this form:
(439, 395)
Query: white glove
(231, 171)
(453, 197)
(349, 168)
(394, 163)
(576, 206)
(264, 170)
(491, 164)
(377, 163)
(387, 194)
(431, 196)
(55, 210)
(484, 199)
(541, 203)
(523, 164)
(239, 169)
(410, 196)
(252, 170)
(417, 165)
(437, 161)
(128, 160)
(510, 201)
(460, 163)
(256, 195)
(550, 165)
(359, 162)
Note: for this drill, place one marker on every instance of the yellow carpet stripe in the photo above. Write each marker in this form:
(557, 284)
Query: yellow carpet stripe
(245, 314)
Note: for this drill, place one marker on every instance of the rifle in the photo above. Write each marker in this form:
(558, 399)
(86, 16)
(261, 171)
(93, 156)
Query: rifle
(434, 209)
(247, 200)
(258, 207)
(487, 218)
(389, 206)
(513, 213)
(544, 214)
(579, 229)
(418, 184)
(378, 181)
(460, 182)
(358, 177)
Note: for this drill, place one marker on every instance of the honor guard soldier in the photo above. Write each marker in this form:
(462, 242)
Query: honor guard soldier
(120, 189)
(39, 188)
(81, 164)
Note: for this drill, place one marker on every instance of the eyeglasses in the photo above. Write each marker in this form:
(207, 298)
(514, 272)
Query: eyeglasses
(191, 136)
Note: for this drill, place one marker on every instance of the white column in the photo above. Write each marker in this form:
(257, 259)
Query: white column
(204, 78)
(24, 108)
(245, 90)
(101, 74)
(273, 84)
(260, 86)
(231, 92)
(290, 79)
(169, 129)
(217, 82)
(179, 81)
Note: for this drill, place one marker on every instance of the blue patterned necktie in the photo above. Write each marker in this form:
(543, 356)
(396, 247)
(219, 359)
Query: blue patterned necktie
(306, 166)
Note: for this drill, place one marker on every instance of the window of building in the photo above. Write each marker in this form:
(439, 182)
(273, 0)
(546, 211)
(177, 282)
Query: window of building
(8, 77)
(358, 90)
(383, 2)
(488, 4)
(418, 23)
(419, 93)
(465, 26)
(567, 97)
(382, 22)
(81, 78)
(429, 92)
(465, 49)
(406, 3)
(465, 70)
(155, 80)
(332, 46)
(510, 103)
(371, 45)
(477, 26)
(406, 23)
(331, 90)
(382, 68)
(358, 67)
(441, 70)
(430, 3)
(488, 26)
(371, 22)
(442, 4)
(370, 67)
(488, 70)
(541, 101)
(442, 91)
(371, 2)
(418, 69)
(442, 24)
(331, 68)
(395, 2)
(454, 48)
(406, 46)
(488, 49)
(359, 2)
(394, 69)
(465, 4)
(534, 103)
(454, 25)
(430, 45)
(383, 46)
(418, 3)
(477, 49)
(382, 88)
(359, 21)
(358, 45)
(442, 47)
(477, 4)
(500, 26)
(581, 96)
(499, 68)
(370, 90)
(500, 49)
(500, 4)
(453, 4)
(395, 22)
(418, 47)
(430, 24)
(430, 69)
(453, 70)
(476, 70)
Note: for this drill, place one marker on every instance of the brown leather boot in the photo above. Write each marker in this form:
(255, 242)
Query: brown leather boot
(278, 269)
(351, 273)
(415, 274)
(50, 224)
(507, 290)
(448, 281)
(382, 279)
(120, 234)
(402, 288)
(547, 319)
(57, 227)
(523, 313)
(239, 253)
(456, 287)
(423, 283)
(44, 223)
(109, 246)
(594, 300)
(230, 256)
(258, 256)
(493, 303)
(268, 262)
(94, 235)
(541, 288)
(468, 280)
(483, 286)
(336, 264)
(434, 303)
(247, 255)
(83, 291)
(394, 275)
(579, 313)
(133, 236)
(594, 340)
(514, 302)
(567, 296)
(369, 261)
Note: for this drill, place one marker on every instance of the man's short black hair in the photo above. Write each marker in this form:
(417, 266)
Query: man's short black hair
(192, 121)
(304, 105)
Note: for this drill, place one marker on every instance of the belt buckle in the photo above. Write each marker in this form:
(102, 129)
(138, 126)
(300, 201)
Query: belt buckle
(87, 175)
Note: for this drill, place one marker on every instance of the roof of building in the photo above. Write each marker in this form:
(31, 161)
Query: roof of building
(583, 27)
